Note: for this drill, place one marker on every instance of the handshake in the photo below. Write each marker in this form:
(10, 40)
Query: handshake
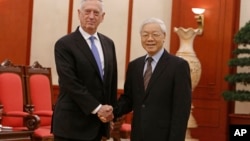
(105, 113)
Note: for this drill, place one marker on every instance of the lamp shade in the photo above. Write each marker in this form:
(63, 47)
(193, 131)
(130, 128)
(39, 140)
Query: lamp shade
(198, 10)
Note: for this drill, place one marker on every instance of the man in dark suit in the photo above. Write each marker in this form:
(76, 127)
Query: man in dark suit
(88, 83)
(161, 103)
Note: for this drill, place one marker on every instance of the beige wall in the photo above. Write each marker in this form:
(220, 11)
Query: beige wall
(50, 19)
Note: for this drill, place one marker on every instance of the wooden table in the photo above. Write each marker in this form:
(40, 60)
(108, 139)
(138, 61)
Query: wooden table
(16, 135)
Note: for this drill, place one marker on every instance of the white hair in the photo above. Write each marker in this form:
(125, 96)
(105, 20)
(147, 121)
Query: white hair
(83, 2)
(157, 21)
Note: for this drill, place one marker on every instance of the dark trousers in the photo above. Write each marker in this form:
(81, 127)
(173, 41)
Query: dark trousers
(57, 138)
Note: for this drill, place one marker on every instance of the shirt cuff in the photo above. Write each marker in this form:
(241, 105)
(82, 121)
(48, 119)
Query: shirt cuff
(96, 109)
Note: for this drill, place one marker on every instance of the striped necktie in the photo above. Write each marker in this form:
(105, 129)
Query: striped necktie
(148, 72)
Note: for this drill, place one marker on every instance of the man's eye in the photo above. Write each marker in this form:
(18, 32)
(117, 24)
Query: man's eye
(87, 12)
(155, 35)
(96, 13)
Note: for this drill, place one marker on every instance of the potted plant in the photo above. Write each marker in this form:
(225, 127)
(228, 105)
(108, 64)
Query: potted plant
(242, 61)
(240, 80)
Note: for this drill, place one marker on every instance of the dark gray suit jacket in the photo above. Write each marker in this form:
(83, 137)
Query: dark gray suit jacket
(161, 112)
(81, 87)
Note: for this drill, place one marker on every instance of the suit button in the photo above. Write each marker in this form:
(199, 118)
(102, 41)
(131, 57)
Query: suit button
(143, 105)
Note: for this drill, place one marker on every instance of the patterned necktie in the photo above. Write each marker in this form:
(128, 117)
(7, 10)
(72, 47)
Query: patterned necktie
(148, 72)
(96, 55)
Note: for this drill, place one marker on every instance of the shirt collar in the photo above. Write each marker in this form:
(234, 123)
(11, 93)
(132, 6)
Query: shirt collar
(86, 35)
(157, 56)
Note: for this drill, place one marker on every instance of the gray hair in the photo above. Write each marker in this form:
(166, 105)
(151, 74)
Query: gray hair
(157, 21)
(83, 2)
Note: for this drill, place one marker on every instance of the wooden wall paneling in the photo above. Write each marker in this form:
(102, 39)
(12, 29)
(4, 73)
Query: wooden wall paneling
(70, 15)
(239, 119)
(129, 31)
(56, 91)
(213, 48)
(15, 30)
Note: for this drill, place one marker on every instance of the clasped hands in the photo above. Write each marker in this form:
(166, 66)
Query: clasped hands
(105, 113)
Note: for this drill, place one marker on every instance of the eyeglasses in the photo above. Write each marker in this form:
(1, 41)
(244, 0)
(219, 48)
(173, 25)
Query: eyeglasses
(154, 35)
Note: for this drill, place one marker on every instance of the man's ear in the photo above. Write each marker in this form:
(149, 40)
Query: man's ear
(103, 15)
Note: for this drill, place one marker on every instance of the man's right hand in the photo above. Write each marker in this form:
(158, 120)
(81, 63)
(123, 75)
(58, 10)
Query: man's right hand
(105, 113)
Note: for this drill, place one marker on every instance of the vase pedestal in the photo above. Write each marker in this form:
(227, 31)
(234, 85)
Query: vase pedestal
(191, 124)
(191, 139)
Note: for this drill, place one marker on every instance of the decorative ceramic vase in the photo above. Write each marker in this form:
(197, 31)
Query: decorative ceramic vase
(187, 52)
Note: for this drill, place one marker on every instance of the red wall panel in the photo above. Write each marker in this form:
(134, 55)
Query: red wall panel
(15, 30)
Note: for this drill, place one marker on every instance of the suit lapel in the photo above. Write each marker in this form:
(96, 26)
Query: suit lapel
(160, 66)
(84, 47)
(140, 73)
(105, 54)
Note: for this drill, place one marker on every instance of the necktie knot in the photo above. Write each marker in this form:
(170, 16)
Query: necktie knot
(150, 59)
(92, 38)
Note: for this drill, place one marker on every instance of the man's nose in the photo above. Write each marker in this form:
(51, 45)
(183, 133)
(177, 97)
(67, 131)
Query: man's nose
(91, 14)
(150, 37)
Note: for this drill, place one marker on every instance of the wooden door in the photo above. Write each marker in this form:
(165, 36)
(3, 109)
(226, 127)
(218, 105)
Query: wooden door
(213, 48)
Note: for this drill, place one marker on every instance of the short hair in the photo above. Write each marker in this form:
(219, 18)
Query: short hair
(102, 5)
(157, 21)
